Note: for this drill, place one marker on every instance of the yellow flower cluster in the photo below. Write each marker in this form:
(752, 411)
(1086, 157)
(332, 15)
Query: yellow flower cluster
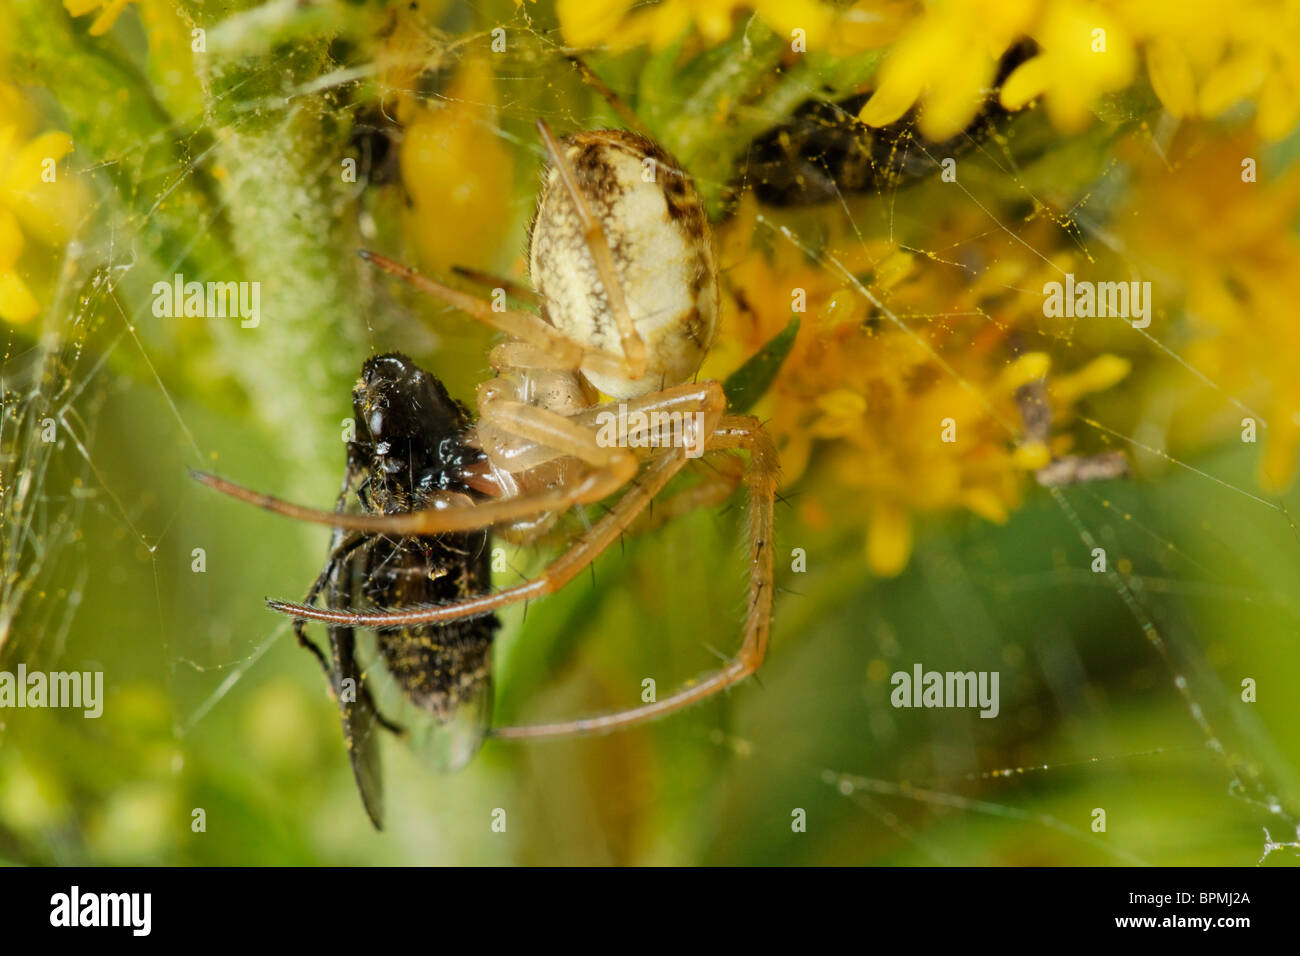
(37, 200)
(914, 420)
(1202, 57)
(614, 23)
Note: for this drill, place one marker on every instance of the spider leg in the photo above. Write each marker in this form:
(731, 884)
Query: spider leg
(487, 279)
(525, 355)
(707, 396)
(625, 113)
(614, 467)
(718, 482)
(595, 485)
(513, 322)
(553, 577)
(634, 351)
(738, 431)
(338, 568)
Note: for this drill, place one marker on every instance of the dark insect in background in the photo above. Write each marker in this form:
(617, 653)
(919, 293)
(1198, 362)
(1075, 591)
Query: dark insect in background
(825, 151)
(430, 684)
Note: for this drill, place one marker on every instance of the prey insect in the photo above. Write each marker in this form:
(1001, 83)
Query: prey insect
(626, 287)
(409, 454)
(824, 152)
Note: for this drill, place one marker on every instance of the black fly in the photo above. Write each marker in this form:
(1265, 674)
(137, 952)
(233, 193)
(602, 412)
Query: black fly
(432, 683)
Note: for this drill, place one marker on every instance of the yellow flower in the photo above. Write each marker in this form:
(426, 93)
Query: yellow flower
(1084, 53)
(409, 45)
(613, 23)
(30, 203)
(870, 25)
(112, 9)
(947, 60)
(457, 170)
(1202, 58)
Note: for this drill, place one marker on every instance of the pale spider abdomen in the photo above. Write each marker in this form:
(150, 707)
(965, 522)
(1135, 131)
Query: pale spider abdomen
(658, 235)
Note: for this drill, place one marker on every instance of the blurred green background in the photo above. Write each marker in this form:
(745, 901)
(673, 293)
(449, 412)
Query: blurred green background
(211, 705)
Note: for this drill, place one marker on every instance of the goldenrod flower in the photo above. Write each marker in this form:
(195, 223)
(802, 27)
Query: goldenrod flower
(1204, 57)
(457, 170)
(111, 10)
(1085, 53)
(30, 203)
(1201, 57)
(613, 23)
(947, 60)
(409, 44)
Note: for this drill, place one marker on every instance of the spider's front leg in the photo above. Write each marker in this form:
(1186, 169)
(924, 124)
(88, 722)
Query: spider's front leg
(515, 323)
(706, 398)
(613, 466)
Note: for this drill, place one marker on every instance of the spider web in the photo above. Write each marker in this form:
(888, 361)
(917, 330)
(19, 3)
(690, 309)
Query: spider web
(100, 526)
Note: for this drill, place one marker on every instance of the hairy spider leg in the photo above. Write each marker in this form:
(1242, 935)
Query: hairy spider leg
(718, 481)
(613, 468)
(625, 113)
(513, 322)
(490, 281)
(733, 432)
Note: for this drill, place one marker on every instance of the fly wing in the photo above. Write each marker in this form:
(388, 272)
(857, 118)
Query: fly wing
(361, 727)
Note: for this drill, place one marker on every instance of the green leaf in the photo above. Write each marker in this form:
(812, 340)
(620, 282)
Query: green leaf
(747, 384)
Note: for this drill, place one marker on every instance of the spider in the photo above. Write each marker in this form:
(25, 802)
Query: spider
(623, 275)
